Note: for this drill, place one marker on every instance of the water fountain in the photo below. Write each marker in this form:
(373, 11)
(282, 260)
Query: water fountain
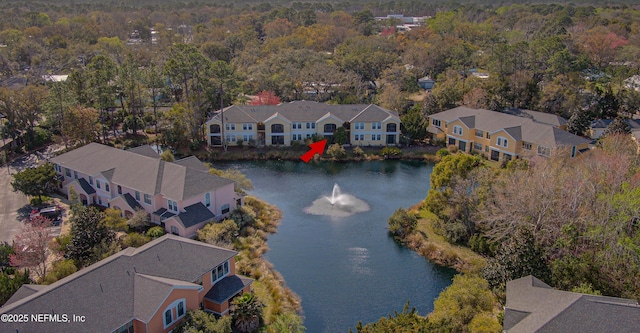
(337, 205)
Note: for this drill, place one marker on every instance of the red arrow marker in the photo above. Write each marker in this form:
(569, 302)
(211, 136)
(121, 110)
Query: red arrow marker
(316, 148)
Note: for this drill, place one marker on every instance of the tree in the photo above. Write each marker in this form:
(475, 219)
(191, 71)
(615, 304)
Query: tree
(286, 322)
(31, 246)
(246, 313)
(242, 183)
(265, 98)
(35, 181)
(61, 269)
(134, 239)
(414, 124)
(113, 219)
(155, 232)
(201, 321)
(340, 136)
(80, 124)
(139, 220)
(407, 321)
(10, 283)
(402, 223)
(167, 156)
(459, 304)
(88, 234)
(618, 126)
(243, 216)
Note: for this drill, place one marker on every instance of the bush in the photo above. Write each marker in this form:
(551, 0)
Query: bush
(243, 216)
(358, 152)
(442, 152)
(40, 137)
(155, 232)
(60, 270)
(391, 152)
(336, 151)
(135, 239)
(452, 149)
(240, 143)
(402, 223)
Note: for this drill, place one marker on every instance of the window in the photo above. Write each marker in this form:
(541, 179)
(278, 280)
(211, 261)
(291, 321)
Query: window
(75, 174)
(219, 272)
(57, 168)
(119, 189)
(106, 187)
(488, 136)
(97, 183)
(479, 133)
(178, 307)
(90, 180)
(230, 127)
(173, 206)
(277, 139)
(330, 128)
(67, 172)
(308, 136)
(311, 125)
(477, 146)
(230, 138)
(391, 128)
(246, 138)
(207, 199)
(526, 146)
(147, 199)
(376, 126)
(225, 208)
(457, 130)
(247, 127)
(137, 196)
(376, 137)
(359, 137)
(573, 151)
(296, 137)
(436, 122)
(502, 142)
(277, 128)
(215, 128)
(359, 126)
(544, 151)
(297, 125)
(175, 231)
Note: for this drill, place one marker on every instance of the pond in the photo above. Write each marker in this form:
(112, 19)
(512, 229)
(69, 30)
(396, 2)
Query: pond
(344, 266)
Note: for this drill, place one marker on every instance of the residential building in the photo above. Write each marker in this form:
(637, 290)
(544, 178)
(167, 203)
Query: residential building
(503, 136)
(598, 126)
(282, 124)
(145, 289)
(534, 307)
(181, 196)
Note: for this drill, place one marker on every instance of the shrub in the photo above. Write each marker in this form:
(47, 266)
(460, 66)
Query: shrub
(336, 151)
(60, 270)
(240, 143)
(402, 223)
(442, 152)
(391, 152)
(452, 149)
(135, 239)
(358, 152)
(155, 232)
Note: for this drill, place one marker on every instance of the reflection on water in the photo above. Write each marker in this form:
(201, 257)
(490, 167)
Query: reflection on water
(346, 269)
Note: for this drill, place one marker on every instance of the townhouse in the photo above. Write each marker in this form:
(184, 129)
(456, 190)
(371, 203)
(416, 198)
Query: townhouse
(271, 125)
(181, 196)
(503, 136)
(145, 289)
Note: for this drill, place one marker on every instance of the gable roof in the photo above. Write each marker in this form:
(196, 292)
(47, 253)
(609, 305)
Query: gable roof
(194, 214)
(519, 127)
(146, 174)
(108, 291)
(533, 306)
(305, 111)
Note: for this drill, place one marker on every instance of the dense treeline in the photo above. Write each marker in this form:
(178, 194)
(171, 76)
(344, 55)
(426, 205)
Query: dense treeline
(125, 63)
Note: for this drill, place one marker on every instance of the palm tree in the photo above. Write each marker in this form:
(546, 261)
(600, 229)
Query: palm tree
(246, 313)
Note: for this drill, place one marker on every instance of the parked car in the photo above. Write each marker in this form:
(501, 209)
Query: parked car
(53, 213)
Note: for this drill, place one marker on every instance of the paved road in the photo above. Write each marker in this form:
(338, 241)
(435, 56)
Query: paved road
(10, 203)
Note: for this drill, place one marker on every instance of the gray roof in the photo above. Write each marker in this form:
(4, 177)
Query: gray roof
(194, 214)
(192, 162)
(127, 285)
(88, 189)
(145, 150)
(24, 291)
(227, 287)
(533, 306)
(520, 128)
(305, 111)
(131, 201)
(176, 181)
